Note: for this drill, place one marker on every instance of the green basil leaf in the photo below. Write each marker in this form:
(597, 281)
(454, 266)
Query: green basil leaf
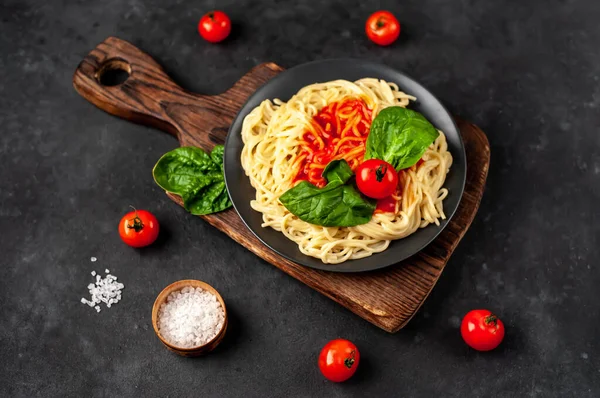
(177, 170)
(196, 176)
(217, 155)
(208, 197)
(335, 205)
(337, 171)
(399, 136)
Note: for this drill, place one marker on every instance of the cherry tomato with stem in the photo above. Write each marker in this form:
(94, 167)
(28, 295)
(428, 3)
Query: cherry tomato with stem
(382, 28)
(482, 330)
(376, 178)
(339, 360)
(138, 228)
(214, 26)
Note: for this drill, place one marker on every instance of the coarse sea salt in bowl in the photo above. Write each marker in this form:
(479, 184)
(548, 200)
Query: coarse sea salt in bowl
(189, 317)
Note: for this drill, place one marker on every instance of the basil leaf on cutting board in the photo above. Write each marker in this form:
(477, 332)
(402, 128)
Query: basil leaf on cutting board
(195, 176)
(399, 136)
(336, 205)
(217, 155)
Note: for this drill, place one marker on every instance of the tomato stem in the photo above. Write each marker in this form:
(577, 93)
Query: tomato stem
(380, 23)
(349, 362)
(211, 16)
(491, 320)
(380, 172)
(138, 225)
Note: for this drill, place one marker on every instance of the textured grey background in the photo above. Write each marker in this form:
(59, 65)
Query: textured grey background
(527, 72)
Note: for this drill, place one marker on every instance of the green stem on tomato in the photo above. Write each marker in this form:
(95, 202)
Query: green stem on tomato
(138, 225)
(491, 320)
(349, 362)
(380, 172)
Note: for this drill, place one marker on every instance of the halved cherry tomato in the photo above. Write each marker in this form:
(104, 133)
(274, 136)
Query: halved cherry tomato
(482, 330)
(382, 28)
(376, 178)
(215, 26)
(339, 360)
(386, 205)
(138, 228)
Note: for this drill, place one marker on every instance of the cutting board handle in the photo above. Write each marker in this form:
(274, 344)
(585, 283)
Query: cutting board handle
(140, 98)
(149, 96)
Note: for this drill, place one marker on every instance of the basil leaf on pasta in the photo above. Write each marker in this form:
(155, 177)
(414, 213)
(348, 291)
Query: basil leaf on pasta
(337, 171)
(399, 136)
(335, 205)
(195, 176)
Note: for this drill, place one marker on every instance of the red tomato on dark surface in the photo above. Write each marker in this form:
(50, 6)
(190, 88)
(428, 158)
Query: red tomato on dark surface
(482, 330)
(339, 360)
(215, 26)
(138, 228)
(376, 178)
(382, 28)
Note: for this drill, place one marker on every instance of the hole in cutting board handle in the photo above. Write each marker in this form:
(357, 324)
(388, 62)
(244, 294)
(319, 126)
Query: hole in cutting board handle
(113, 72)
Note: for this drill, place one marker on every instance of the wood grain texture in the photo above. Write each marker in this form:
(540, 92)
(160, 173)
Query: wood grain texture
(387, 298)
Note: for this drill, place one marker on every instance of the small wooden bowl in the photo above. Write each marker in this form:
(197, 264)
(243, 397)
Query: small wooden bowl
(193, 351)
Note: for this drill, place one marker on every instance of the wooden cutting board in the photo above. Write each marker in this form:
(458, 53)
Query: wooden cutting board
(387, 298)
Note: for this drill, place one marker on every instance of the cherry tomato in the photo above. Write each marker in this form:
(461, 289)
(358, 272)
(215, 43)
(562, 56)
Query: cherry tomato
(215, 26)
(382, 28)
(386, 205)
(339, 360)
(482, 330)
(376, 178)
(138, 228)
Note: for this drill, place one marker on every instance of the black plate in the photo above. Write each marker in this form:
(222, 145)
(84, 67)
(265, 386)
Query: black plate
(288, 83)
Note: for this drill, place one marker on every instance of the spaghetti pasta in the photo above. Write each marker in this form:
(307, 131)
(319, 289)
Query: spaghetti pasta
(288, 142)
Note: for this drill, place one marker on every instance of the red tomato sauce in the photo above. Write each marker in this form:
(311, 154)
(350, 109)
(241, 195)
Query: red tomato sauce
(338, 131)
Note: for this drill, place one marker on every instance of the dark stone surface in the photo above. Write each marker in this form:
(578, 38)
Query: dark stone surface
(527, 72)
